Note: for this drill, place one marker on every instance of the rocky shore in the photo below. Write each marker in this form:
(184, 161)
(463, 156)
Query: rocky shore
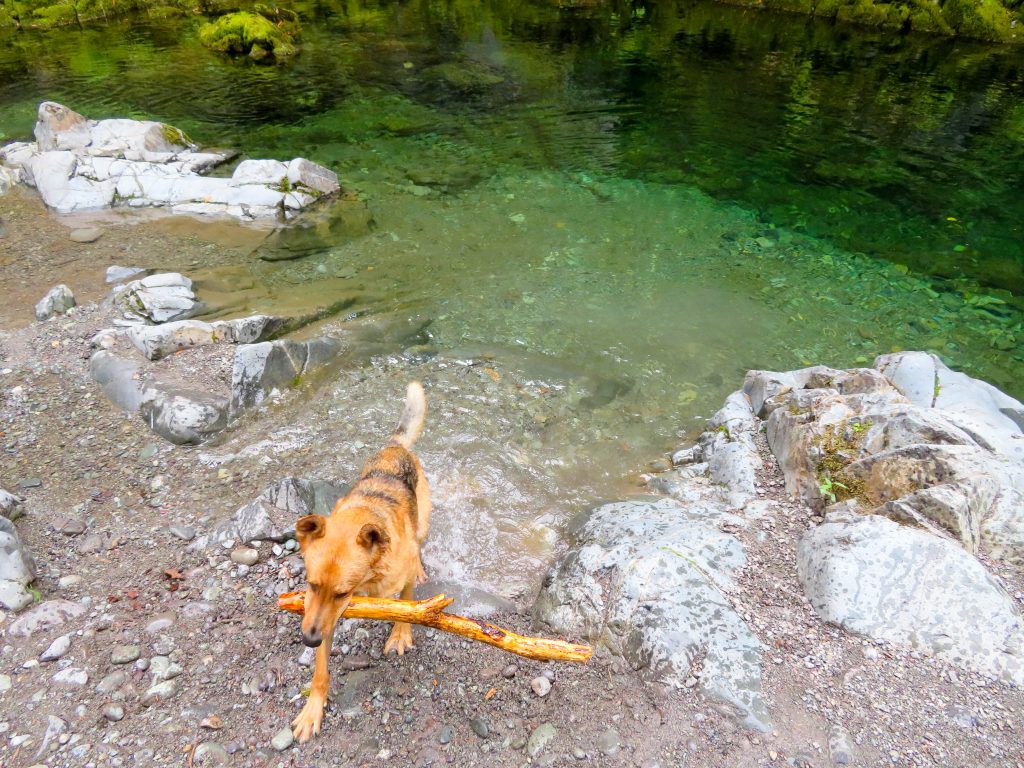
(829, 576)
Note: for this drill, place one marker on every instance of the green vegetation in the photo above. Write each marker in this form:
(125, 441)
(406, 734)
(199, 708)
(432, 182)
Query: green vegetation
(839, 447)
(268, 32)
(993, 20)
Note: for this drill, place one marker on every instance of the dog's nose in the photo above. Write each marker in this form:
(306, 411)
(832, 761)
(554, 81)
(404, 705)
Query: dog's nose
(312, 639)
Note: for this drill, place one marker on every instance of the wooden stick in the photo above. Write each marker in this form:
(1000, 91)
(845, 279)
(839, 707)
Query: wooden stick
(430, 613)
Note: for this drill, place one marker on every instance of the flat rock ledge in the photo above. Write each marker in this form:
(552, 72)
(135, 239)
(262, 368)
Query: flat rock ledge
(913, 470)
(78, 164)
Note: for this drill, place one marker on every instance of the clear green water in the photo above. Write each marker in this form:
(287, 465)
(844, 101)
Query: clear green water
(612, 211)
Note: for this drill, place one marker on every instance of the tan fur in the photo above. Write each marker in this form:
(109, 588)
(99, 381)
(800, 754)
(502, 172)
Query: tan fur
(369, 545)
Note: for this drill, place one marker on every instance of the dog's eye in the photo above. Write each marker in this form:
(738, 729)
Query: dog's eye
(315, 587)
(339, 595)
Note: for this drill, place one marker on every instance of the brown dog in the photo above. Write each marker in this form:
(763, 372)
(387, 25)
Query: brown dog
(370, 545)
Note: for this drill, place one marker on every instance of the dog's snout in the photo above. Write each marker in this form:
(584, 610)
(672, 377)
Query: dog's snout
(312, 639)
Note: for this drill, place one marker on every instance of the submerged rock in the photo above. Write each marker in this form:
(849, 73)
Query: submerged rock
(261, 368)
(272, 515)
(57, 301)
(250, 34)
(889, 582)
(646, 579)
(17, 569)
(81, 164)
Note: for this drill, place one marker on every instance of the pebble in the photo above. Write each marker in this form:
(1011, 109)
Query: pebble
(124, 654)
(245, 556)
(183, 532)
(90, 544)
(541, 686)
(445, 735)
(112, 682)
(839, 746)
(579, 754)
(85, 235)
(210, 753)
(113, 712)
(57, 649)
(509, 672)
(540, 738)
(609, 742)
(5, 683)
(159, 623)
(72, 526)
(162, 668)
(72, 677)
(282, 739)
(67, 582)
(162, 691)
(480, 727)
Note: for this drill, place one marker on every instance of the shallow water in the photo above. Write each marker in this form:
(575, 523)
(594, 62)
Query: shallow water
(599, 219)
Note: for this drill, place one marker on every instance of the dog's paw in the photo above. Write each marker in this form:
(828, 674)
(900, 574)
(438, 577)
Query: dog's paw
(400, 640)
(421, 577)
(307, 724)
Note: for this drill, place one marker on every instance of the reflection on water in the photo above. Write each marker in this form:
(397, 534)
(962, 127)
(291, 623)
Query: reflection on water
(598, 219)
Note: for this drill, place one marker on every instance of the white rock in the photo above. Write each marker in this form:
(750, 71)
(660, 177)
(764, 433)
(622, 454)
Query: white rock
(271, 172)
(57, 301)
(56, 649)
(312, 176)
(71, 677)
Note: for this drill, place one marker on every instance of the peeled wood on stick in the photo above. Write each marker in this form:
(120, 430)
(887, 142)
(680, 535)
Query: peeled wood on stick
(430, 613)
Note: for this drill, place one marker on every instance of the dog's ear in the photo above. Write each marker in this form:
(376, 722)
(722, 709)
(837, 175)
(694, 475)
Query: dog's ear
(310, 527)
(371, 536)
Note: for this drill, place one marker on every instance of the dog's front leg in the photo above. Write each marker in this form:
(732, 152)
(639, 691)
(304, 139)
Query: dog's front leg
(400, 639)
(307, 724)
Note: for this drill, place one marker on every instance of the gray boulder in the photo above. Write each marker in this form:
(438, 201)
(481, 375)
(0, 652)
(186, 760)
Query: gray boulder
(183, 416)
(158, 341)
(648, 580)
(261, 368)
(272, 515)
(157, 298)
(930, 447)
(57, 301)
(17, 570)
(10, 505)
(889, 582)
(82, 164)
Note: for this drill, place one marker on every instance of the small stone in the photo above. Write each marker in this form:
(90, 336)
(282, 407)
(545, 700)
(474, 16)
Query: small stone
(162, 691)
(282, 739)
(91, 544)
(210, 753)
(57, 301)
(609, 742)
(579, 754)
(541, 686)
(85, 235)
(840, 748)
(57, 648)
(5, 683)
(149, 451)
(212, 722)
(72, 526)
(540, 738)
(159, 623)
(245, 556)
(112, 682)
(306, 657)
(509, 672)
(480, 727)
(124, 654)
(183, 532)
(69, 581)
(71, 677)
(113, 712)
(445, 735)
(162, 668)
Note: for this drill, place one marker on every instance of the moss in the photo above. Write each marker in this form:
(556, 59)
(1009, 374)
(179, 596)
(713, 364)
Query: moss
(983, 19)
(250, 34)
(839, 445)
(176, 136)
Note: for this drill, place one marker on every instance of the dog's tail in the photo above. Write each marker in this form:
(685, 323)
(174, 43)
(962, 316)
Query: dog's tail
(411, 424)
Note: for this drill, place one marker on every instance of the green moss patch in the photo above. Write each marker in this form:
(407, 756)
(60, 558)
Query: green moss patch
(252, 34)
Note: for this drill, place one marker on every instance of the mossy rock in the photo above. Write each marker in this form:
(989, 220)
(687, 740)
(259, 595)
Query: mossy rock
(251, 34)
(982, 19)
